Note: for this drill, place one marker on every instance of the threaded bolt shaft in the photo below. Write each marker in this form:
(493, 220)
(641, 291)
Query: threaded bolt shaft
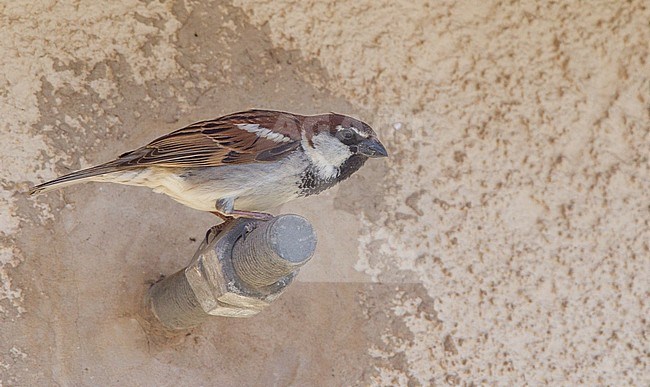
(273, 250)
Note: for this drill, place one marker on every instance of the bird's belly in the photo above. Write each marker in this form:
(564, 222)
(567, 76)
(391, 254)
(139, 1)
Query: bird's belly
(257, 187)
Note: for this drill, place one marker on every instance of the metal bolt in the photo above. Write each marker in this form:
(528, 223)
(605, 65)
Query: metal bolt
(239, 269)
(273, 250)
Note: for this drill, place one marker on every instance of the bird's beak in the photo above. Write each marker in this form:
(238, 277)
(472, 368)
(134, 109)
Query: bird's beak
(372, 148)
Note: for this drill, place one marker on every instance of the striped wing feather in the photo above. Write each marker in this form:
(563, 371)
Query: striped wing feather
(220, 141)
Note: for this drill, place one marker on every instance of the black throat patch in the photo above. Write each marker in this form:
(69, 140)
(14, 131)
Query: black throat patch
(311, 184)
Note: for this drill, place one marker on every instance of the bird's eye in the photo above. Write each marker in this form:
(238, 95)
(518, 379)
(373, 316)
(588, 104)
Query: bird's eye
(345, 135)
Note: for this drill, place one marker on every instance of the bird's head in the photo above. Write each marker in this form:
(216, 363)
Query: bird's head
(332, 140)
(357, 136)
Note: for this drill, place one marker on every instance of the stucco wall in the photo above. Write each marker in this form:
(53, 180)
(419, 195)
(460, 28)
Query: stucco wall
(504, 241)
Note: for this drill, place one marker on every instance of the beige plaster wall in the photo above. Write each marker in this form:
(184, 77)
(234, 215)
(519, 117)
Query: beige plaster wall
(504, 241)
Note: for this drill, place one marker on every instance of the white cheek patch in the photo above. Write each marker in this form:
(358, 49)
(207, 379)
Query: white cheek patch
(328, 154)
(357, 131)
(264, 133)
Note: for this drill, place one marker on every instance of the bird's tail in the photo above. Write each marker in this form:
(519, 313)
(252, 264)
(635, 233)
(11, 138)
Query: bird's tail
(89, 174)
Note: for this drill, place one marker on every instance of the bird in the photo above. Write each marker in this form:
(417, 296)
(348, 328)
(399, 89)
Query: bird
(242, 164)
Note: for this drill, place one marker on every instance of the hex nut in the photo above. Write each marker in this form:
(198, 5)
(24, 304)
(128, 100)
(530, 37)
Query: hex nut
(217, 287)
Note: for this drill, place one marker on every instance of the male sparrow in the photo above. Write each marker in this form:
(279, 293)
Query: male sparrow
(242, 163)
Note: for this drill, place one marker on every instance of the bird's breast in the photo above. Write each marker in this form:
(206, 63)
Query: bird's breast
(312, 181)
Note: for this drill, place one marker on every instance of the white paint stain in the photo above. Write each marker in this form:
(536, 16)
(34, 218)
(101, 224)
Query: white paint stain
(33, 50)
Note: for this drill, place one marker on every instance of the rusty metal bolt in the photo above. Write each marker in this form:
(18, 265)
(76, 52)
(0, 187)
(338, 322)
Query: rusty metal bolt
(239, 269)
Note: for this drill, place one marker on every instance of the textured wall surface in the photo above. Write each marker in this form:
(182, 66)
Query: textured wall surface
(506, 240)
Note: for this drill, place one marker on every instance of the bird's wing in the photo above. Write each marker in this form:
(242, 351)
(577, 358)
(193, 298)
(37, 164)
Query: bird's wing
(245, 137)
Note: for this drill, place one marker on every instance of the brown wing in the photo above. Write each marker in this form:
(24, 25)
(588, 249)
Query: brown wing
(250, 136)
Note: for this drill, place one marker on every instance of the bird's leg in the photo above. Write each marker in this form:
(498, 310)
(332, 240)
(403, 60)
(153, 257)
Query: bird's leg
(223, 217)
(251, 215)
(223, 209)
(226, 211)
(234, 214)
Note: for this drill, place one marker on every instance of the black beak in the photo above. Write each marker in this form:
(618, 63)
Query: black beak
(372, 148)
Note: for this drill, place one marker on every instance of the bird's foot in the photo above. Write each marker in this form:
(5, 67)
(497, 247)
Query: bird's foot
(235, 214)
(226, 211)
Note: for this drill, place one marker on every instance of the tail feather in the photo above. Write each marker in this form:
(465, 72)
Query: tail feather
(84, 175)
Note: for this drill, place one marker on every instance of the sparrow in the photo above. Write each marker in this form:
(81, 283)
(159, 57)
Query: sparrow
(242, 164)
